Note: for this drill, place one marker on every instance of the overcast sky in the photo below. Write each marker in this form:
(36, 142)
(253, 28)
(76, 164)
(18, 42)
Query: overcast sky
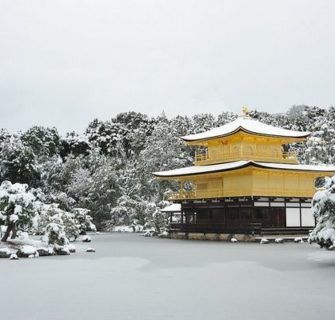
(65, 62)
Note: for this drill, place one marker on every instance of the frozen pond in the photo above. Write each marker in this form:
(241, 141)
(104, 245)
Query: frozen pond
(132, 277)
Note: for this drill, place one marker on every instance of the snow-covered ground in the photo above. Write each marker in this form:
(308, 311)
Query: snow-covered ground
(133, 277)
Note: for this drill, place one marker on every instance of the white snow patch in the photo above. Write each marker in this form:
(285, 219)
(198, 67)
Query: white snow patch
(24, 236)
(13, 218)
(28, 242)
(163, 234)
(28, 250)
(175, 207)
(123, 229)
(5, 250)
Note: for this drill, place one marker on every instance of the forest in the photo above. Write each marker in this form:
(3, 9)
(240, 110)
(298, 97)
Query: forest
(106, 172)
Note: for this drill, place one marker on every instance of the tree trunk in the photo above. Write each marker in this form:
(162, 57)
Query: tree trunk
(10, 227)
(14, 231)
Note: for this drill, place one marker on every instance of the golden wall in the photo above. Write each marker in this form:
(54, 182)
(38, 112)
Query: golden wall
(251, 182)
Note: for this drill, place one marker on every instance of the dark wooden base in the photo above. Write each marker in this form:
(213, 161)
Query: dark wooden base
(249, 216)
(253, 229)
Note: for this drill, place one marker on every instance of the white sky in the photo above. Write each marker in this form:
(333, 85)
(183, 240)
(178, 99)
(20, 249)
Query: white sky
(65, 62)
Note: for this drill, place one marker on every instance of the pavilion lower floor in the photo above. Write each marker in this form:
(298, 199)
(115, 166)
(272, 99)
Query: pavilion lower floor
(246, 216)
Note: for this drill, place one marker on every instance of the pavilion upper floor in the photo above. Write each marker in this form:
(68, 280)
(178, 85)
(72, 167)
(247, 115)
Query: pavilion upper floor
(244, 146)
(245, 139)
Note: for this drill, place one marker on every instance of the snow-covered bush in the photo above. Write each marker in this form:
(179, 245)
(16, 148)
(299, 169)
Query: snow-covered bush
(72, 223)
(156, 218)
(52, 214)
(84, 220)
(22, 208)
(324, 212)
(125, 211)
(137, 213)
(18, 206)
(55, 235)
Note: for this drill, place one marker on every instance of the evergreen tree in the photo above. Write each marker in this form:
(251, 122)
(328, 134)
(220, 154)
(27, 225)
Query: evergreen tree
(164, 150)
(42, 141)
(18, 162)
(18, 206)
(324, 212)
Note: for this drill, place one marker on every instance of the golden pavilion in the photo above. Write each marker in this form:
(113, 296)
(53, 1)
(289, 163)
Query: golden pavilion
(245, 182)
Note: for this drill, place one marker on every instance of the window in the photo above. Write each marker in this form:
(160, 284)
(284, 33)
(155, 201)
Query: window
(292, 217)
(261, 204)
(307, 219)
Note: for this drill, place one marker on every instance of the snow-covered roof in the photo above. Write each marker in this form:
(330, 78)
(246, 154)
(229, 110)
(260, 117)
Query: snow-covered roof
(300, 167)
(175, 207)
(201, 169)
(188, 171)
(245, 123)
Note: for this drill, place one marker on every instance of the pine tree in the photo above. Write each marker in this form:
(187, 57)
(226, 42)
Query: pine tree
(18, 206)
(324, 212)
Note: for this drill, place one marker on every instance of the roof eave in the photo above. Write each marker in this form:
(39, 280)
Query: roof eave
(248, 164)
(303, 136)
(197, 173)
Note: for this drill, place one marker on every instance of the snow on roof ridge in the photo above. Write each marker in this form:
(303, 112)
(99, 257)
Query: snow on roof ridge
(307, 167)
(240, 164)
(247, 124)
